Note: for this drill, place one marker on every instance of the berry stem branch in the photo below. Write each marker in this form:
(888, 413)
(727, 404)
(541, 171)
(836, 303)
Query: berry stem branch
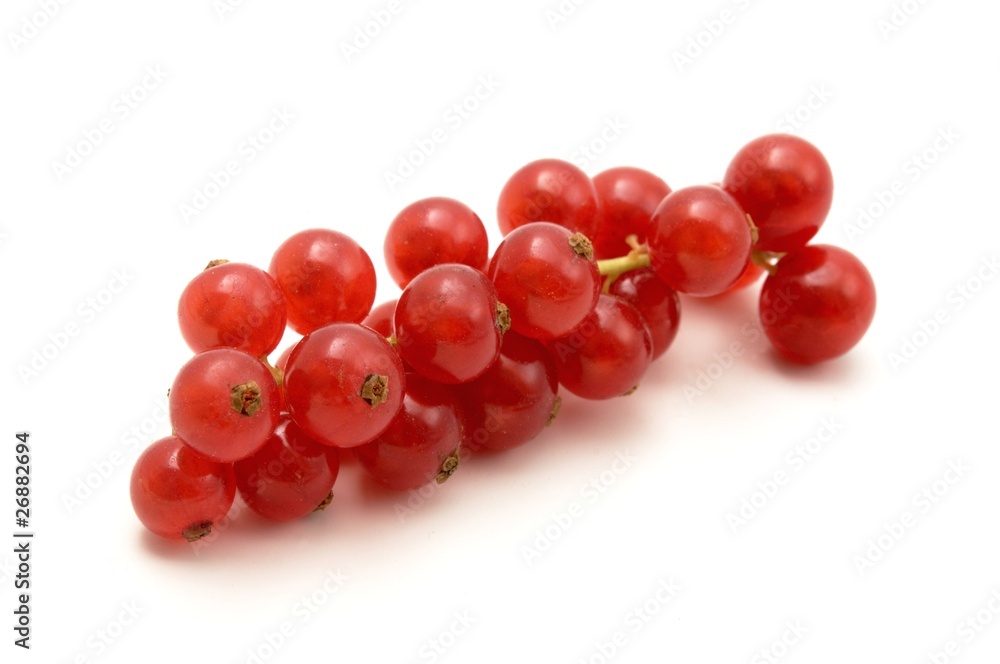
(612, 268)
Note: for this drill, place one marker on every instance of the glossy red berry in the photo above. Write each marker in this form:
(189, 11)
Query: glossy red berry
(627, 198)
(290, 476)
(699, 240)
(343, 384)
(232, 305)
(433, 231)
(514, 400)
(224, 403)
(784, 183)
(448, 323)
(380, 318)
(549, 190)
(818, 303)
(656, 302)
(326, 277)
(178, 493)
(607, 355)
(422, 443)
(547, 277)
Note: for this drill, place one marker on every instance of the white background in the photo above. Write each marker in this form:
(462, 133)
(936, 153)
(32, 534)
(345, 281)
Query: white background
(797, 579)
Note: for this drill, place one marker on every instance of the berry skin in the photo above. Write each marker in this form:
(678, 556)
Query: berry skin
(784, 183)
(818, 303)
(547, 277)
(177, 493)
(607, 355)
(343, 384)
(380, 318)
(290, 476)
(699, 241)
(232, 305)
(449, 324)
(422, 443)
(430, 232)
(326, 277)
(549, 190)
(224, 403)
(659, 305)
(628, 197)
(514, 400)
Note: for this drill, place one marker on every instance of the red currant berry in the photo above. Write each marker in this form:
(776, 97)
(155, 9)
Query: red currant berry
(628, 197)
(422, 443)
(548, 278)
(232, 305)
(343, 384)
(224, 403)
(658, 303)
(433, 231)
(818, 303)
(699, 240)
(607, 355)
(380, 319)
(326, 277)
(784, 183)
(514, 400)
(290, 476)
(549, 190)
(449, 324)
(749, 277)
(178, 493)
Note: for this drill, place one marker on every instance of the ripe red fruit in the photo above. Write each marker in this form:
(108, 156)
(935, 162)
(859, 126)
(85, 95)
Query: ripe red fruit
(232, 305)
(514, 400)
(607, 355)
(784, 183)
(178, 493)
(430, 232)
(224, 403)
(658, 303)
(699, 240)
(818, 303)
(449, 323)
(422, 443)
(343, 384)
(547, 277)
(628, 197)
(326, 277)
(549, 190)
(290, 476)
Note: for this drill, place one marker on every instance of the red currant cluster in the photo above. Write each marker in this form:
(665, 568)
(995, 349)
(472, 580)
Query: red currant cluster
(582, 293)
